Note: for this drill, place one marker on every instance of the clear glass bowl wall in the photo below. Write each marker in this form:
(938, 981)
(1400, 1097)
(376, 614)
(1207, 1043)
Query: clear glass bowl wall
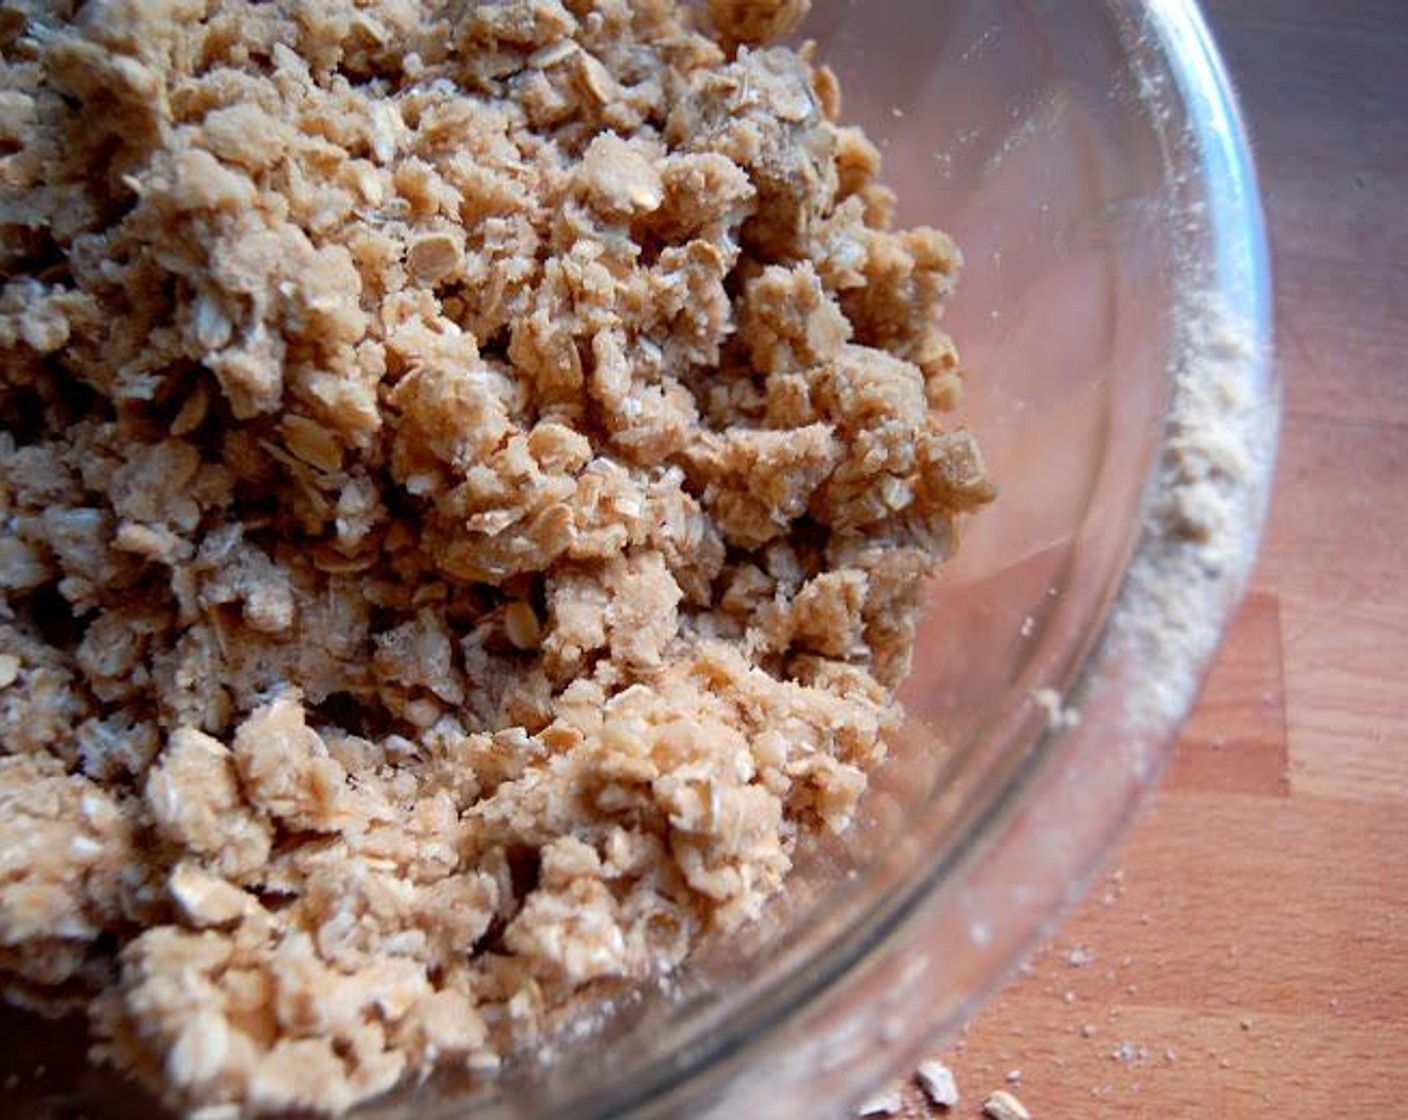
(1087, 156)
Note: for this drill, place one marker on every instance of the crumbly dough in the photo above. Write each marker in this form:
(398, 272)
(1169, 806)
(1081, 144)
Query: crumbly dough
(466, 473)
(1002, 1105)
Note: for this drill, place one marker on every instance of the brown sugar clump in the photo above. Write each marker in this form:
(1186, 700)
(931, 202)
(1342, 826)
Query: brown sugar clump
(438, 439)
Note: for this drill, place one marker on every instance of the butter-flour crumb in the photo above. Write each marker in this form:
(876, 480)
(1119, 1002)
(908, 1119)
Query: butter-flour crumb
(466, 470)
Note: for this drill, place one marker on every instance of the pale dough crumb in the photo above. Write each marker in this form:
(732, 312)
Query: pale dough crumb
(938, 1083)
(1128, 1053)
(467, 472)
(1059, 716)
(1002, 1105)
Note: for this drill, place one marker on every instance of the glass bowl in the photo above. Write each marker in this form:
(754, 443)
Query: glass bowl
(1114, 317)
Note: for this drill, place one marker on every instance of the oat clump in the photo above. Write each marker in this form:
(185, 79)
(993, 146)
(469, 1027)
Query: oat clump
(466, 471)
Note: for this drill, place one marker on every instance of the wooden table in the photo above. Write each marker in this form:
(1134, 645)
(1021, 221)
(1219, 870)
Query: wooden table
(1248, 953)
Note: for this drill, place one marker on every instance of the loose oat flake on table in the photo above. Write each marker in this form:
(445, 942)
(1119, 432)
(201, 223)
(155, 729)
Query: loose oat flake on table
(466, 473)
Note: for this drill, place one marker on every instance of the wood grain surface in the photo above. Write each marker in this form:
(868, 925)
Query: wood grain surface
(1248, 953)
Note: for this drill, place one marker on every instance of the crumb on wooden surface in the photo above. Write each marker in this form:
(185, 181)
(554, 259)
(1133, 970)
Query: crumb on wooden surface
(1002, 1105)
(938, 1083)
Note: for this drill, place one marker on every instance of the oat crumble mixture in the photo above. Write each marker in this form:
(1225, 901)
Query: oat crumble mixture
(466, 474)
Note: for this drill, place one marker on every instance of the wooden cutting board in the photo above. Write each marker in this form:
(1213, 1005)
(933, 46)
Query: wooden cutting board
(1247, 954)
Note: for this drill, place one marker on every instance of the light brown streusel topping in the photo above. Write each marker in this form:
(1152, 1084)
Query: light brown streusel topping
(466, 472)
